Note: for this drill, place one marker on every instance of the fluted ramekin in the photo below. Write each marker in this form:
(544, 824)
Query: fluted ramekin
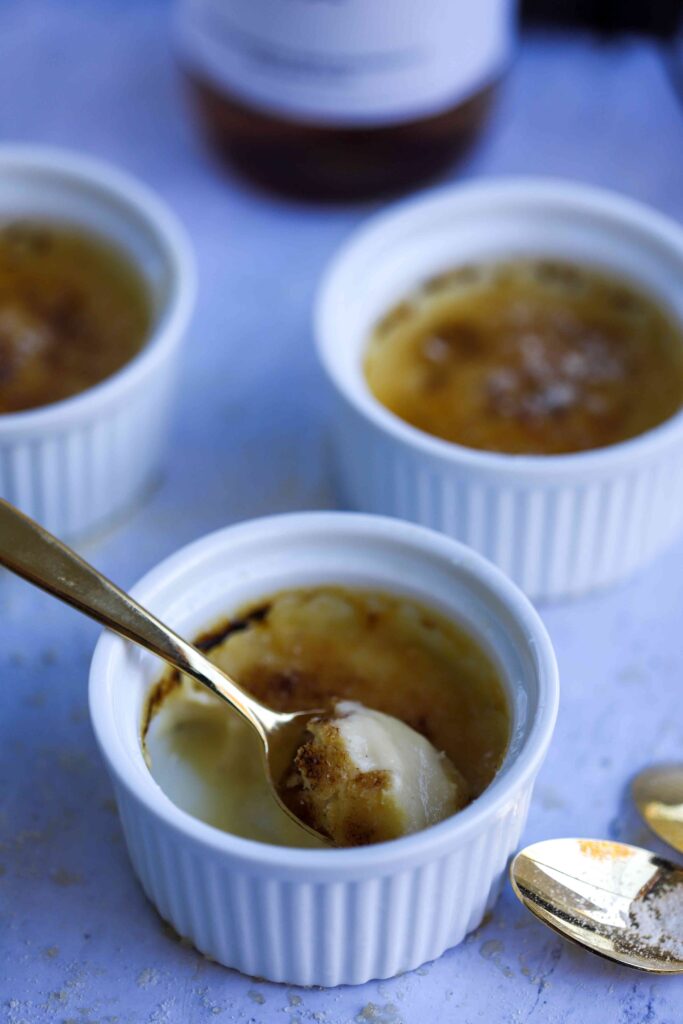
(557, 525)
(325, 917)
(78, 463)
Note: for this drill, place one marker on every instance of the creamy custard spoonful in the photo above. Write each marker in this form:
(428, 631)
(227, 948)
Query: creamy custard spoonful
(341, 773)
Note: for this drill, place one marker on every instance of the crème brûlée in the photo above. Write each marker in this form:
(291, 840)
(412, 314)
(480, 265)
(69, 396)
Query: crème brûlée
(528, 357)
(74, 309)
(419, 724)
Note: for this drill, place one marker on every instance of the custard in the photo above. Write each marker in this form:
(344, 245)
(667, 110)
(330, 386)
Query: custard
(304, 649)
(73, 311)
(528, 357)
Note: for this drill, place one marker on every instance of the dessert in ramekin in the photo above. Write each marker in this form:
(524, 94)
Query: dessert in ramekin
(413, 723)
(558, 520)
(326, 916)
(82, 459)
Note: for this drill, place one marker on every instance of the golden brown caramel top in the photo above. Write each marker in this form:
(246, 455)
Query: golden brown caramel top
(302, 649)
(528, 357)
(73, 310)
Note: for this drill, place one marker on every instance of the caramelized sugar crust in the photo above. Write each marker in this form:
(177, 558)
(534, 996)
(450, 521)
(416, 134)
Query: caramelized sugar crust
(316, 645)
(528, 357)
(73, 310)
(305, 649)
(323, 763)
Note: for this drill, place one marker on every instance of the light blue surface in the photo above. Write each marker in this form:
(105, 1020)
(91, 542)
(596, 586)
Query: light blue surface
(78, 940)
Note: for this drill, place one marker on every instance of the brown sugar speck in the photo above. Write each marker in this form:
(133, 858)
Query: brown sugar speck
(604, 850)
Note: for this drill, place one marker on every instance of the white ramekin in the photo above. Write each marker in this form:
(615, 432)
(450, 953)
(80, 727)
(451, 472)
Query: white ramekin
(78, 463)
(325, 917)
(557, 525)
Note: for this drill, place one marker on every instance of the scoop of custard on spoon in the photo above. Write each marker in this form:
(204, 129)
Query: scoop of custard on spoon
(362, 776)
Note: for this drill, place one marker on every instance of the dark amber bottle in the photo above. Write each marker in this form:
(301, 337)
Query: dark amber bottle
(337, 99)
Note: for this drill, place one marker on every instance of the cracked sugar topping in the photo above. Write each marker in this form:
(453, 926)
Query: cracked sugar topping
(528, 357)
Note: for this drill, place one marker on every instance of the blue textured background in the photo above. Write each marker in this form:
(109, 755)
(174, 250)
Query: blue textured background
(78, 940)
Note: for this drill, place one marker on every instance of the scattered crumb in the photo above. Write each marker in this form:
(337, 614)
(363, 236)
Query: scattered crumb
(161, 1013)
(50, 952)
(294, 999)
(256, 997)
(148, 977)
(66, 878)
(387, 1014)
(208, 1003)
(491, 950)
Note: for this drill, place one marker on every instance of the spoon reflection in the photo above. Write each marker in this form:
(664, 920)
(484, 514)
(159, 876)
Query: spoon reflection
(658, 795)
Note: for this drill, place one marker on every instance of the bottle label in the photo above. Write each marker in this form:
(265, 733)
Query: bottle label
(348, 61)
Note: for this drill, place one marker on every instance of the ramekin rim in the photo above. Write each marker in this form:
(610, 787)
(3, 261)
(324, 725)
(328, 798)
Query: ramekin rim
(438, 837)
(565, 193)
(120, 189)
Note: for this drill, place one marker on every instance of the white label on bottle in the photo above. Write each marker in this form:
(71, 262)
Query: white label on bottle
(348, 61)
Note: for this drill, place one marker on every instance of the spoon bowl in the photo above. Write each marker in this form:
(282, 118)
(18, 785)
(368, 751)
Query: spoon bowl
(619, 901)
(31, 552)
(658, 795)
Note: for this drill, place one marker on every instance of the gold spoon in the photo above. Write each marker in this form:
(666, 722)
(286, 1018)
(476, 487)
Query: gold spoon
(619, 901)
(30, 551)
(658, 795)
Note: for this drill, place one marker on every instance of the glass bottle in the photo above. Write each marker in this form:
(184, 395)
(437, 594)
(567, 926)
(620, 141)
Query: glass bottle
(340, 99)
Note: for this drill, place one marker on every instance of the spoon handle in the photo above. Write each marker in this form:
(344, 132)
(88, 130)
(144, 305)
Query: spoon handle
(30, 551)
